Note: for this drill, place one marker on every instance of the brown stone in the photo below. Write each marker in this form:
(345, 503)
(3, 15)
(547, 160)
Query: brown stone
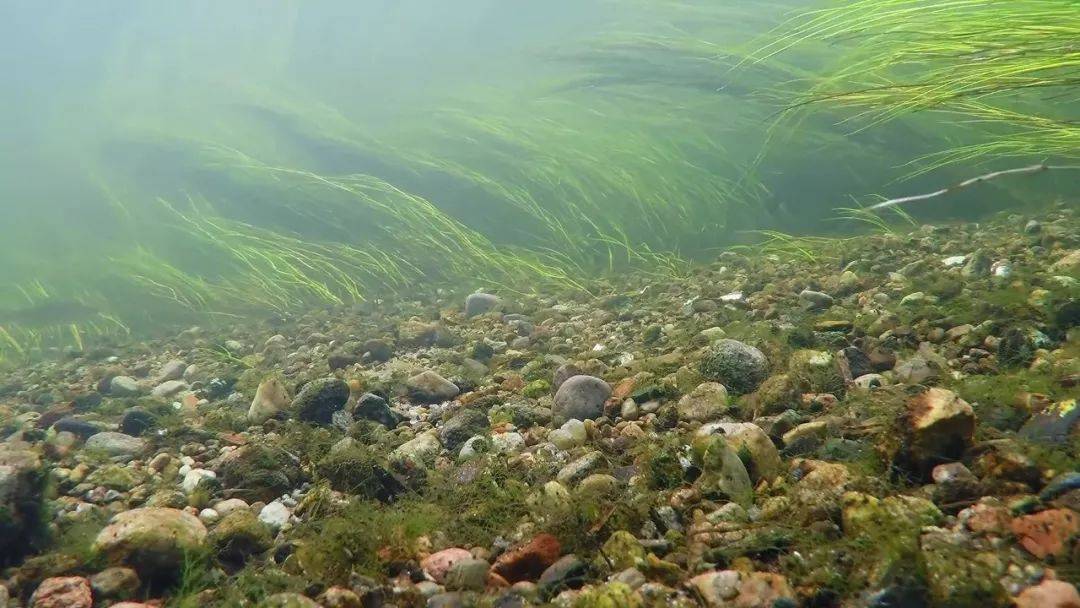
(941, 426)
(1046, 533)
(528, 562)
(63, 592)
(1049, 594)
(438, 564)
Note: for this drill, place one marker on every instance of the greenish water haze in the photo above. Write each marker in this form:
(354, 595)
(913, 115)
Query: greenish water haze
(163, 158)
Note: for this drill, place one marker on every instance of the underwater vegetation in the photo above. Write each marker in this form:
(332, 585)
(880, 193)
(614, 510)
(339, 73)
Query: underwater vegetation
(649, 136)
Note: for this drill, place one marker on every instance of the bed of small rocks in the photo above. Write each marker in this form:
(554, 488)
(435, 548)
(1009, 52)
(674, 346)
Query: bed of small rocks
(887, 420)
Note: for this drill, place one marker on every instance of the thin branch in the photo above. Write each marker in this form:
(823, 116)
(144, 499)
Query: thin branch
(970, 182)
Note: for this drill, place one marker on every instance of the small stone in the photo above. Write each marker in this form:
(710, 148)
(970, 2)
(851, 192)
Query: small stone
(1047, 533)
(480, 303)
(430, 387)
(150, 539)
(580, 398)
(275, 515)
(734, 589)
(63, 592)
(458, 429)
(319, 399)
(173, 370)
(816, 299)
(437, 565)
(528, 562)
(707, 402)
(168, 389)
(373, 407)
(723, 473)
(467, 575)
(416, 454)
(270, 399)
(1049, 594)
(124, 386)
(225, 507)
(915, 370)
(116, 583)
(195, 478)
(340, 597)
(753, 445)
(739, 367)
(115, 444)
(940, 428)
(622, 551)
(569, 572)
(239, 535)
(288, 600)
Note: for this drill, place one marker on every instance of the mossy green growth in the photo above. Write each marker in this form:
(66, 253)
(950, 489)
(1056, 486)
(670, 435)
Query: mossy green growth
(482, 499)
(886, 532)
(814, 371)
(238, 536)
(363, 537)
(537, 388)
(357, 470)
(609, 595)
(660, 465)
(260, 472)
(115, 477)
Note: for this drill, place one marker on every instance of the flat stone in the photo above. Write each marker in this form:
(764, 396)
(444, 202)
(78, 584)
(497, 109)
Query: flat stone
(581, 468)
(438, 564)
(124, 386)
(63, 592)
(429, 387)
(115, 444)
(1046, 533)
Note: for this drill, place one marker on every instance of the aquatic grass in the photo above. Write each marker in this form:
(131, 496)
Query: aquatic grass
(874, 220)
(1007, 67)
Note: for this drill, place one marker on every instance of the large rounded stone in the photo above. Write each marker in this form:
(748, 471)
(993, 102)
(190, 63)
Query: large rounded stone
(580, 398)
(740, 367)
(319, 399)
(152, 540)
(480, 303)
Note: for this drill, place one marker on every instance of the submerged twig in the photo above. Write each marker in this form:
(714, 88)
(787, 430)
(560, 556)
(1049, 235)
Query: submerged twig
(970, 182)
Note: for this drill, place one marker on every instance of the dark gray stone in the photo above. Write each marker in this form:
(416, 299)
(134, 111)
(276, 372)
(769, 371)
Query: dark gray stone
(80, 428)
(458, 429)
(319, 399)
(570, 572)
(373, 407)
(137, 421)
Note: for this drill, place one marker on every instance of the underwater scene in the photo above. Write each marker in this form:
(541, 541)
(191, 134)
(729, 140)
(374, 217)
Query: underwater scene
(507, 303)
